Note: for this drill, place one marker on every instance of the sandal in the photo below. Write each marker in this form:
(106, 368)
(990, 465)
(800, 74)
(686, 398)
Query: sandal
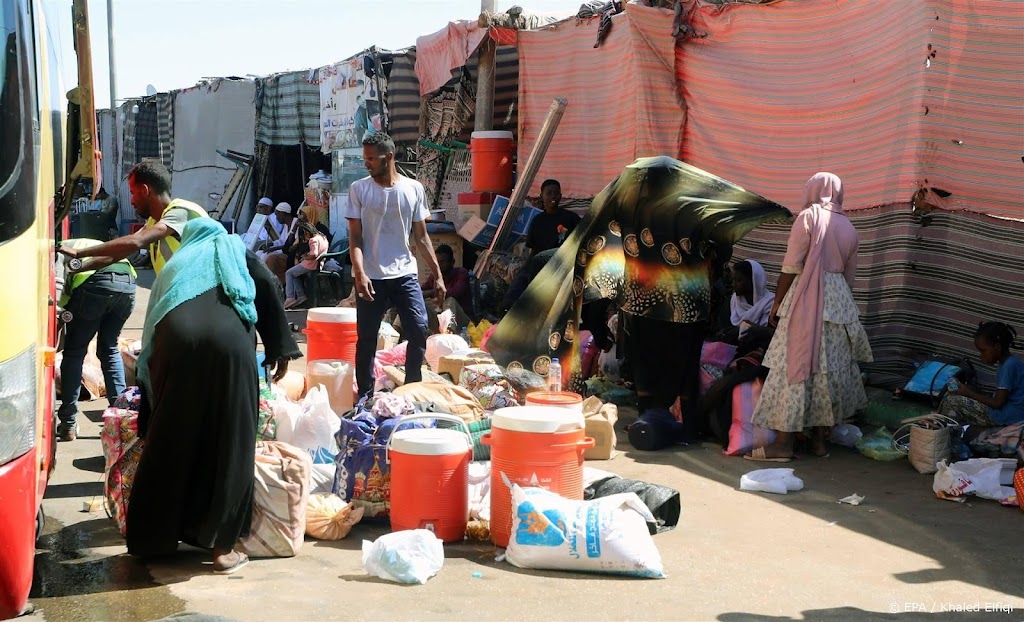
(758, 455)
(241, 561)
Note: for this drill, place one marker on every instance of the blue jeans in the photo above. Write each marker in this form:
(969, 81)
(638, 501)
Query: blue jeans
(405, 294)
(100, 306)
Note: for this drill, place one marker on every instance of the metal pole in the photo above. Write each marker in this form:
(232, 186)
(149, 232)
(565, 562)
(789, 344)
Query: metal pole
(110, 52)
(483, 120)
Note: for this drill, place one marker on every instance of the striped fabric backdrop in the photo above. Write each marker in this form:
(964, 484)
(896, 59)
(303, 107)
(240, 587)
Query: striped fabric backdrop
(288, 110)
(165, 127)
(404, 99)
(506, 90)
(923, 284)
(922, 94)
(623, 99)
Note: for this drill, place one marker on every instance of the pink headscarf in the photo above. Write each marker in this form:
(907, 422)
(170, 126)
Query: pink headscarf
(823, 196)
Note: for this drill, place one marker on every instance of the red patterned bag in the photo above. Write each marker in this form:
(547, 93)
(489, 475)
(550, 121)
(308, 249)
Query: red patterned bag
(1018, 485)
(122, 450)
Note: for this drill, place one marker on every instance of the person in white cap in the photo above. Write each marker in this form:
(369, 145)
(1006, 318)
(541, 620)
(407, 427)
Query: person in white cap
(265, 206)
(272, 251)
(279, 222)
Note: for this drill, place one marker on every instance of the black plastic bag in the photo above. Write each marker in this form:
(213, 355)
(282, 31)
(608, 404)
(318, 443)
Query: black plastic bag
(662, 501)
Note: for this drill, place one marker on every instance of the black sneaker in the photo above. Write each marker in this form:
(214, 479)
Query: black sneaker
(66, 434)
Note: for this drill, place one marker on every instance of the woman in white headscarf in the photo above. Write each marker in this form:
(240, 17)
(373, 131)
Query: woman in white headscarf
(751, 302)
(814, 382)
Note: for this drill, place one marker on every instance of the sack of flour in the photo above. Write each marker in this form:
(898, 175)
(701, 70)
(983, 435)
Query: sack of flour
(607, 535)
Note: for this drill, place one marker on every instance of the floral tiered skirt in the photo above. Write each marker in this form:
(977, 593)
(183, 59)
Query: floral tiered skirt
(832, 393)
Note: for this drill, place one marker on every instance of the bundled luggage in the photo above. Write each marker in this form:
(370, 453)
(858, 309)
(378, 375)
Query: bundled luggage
(281, 495)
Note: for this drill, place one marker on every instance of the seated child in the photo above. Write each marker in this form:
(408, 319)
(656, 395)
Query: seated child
(993, 341)
(294, 291)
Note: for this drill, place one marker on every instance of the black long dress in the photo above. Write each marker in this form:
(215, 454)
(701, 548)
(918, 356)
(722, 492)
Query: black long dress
(194, 482)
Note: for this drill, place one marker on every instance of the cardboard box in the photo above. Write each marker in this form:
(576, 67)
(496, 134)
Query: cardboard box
(472, 204)
(387, 337)
(472, 229)
(480, 233)
(452, 364)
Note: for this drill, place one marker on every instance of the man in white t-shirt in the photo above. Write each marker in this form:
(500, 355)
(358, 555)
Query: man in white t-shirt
(383, 209)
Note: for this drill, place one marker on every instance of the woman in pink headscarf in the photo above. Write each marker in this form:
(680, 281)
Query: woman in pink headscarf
(814, 382)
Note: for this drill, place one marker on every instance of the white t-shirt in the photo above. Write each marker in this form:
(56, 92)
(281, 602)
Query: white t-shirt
(387, 215)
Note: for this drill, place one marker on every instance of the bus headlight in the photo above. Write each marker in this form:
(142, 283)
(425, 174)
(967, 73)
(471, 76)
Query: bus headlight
(17, 405)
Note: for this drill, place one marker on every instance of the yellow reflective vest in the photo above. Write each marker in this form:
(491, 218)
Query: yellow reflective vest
(124, 266)
(162, 250)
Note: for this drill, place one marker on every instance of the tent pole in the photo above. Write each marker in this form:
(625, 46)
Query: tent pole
(483, 120)
(302, 164)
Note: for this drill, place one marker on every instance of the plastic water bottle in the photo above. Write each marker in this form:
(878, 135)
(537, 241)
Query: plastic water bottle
(464, 333)
(555, 376)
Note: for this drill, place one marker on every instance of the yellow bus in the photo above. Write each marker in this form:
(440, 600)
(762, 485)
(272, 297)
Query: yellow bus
(38, 174)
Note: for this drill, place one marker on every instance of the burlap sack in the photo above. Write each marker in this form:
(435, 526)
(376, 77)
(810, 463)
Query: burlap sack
(330, 518)
(279, 503)
(449, 397)
(928, 447)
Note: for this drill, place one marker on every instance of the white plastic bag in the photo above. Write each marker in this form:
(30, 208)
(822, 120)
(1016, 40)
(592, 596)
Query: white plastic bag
(846, 434)
(411, 556)
(606, 535)
(316, 426)
(322, 478)
(778, 481)
(440, 345)
(286, 414)
(480, 490)
(983, 477)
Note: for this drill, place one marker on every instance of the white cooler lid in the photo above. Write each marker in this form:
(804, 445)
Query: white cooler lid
(336, 315)
(492, 134)
(544, 419)
(429, 442)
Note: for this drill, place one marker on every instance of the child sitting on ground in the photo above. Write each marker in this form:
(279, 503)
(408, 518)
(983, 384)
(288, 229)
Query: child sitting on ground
(993, 341)
(295, 294)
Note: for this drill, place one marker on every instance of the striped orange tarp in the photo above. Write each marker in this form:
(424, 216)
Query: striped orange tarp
(891, 96)
(623, 98)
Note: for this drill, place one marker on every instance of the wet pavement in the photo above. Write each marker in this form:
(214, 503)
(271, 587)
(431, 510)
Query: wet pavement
(736, 556)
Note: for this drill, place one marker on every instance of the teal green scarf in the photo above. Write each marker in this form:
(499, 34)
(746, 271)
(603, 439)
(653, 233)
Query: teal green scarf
(208, 257)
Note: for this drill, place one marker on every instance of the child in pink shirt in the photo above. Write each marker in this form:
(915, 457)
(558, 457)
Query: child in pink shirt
(294, 293)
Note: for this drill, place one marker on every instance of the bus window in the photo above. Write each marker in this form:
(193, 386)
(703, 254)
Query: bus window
(17, 144)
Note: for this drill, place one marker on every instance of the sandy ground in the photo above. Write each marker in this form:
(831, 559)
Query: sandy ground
(901, 555)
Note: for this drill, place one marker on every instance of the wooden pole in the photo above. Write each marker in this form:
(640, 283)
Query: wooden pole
(483, 119)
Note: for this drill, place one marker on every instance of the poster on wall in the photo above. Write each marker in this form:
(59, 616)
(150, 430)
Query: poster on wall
(351, 103)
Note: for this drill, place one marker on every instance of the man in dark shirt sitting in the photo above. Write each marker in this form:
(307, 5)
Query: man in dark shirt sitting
(552, 226)
(456, 282)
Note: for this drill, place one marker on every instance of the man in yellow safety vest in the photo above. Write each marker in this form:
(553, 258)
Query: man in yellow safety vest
(100, 302)
(150, 186)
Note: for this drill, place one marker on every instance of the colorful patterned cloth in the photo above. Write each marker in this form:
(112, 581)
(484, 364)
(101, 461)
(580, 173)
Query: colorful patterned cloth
(487, 382)
(266, 424)
(647, 242)
(122, 450)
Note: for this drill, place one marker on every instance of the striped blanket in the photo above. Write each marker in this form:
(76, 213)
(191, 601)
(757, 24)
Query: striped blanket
(923, 284)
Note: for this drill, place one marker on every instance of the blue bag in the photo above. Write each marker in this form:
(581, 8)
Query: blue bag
(363, 476)
(931, 379)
